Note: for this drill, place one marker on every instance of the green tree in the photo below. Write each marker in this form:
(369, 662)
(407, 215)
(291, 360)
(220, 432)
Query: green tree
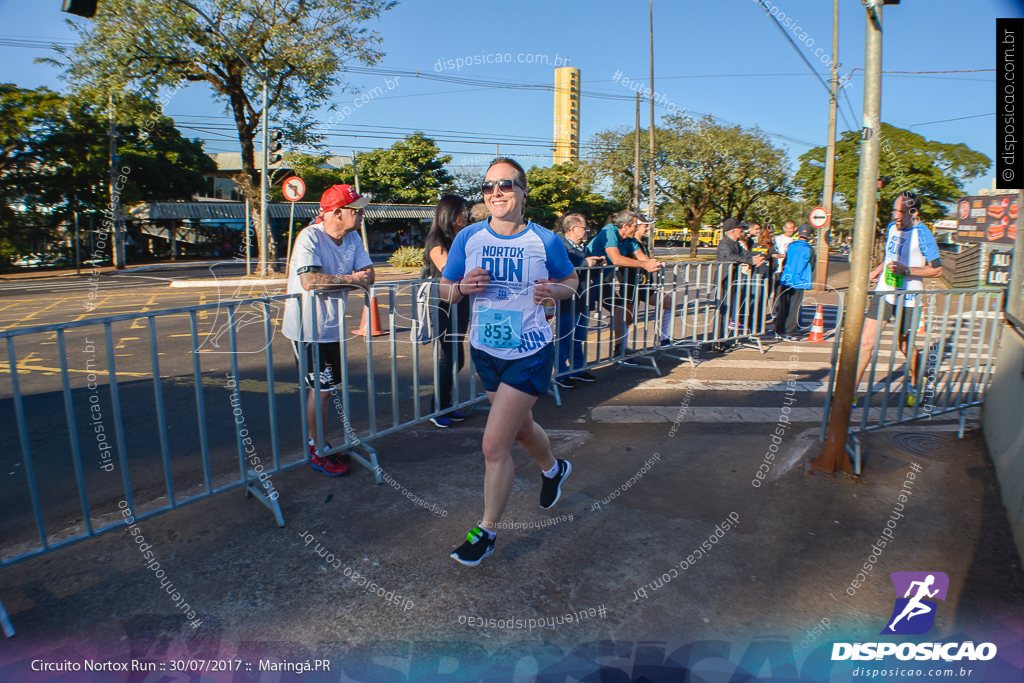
(566, 188)
(302, 45)
(56, 159)
(27, 118)
(702, 167)
(936, 171)
(613, 161)
(411, 171)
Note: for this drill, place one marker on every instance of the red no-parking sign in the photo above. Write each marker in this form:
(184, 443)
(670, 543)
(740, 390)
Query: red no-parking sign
(293, 189)
(819, 217)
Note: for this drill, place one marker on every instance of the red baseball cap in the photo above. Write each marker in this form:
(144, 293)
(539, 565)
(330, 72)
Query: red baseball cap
(338, 196)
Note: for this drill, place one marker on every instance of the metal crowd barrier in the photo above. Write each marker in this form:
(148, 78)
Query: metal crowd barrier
(709, 303)
(183, 454)
(186, 453)
(955, 335)
(397, 334)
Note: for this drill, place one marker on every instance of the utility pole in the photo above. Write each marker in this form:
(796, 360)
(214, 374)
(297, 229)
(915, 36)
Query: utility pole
(636, 159)
(264, 190)
(833, 456)
(362, 224)
(78, 257)
(650, 204)
(248, 239)
(116, 243)
(821, 272)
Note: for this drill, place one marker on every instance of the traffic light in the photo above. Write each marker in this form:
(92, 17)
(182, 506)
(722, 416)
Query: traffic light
(81, 8)
(275, 147)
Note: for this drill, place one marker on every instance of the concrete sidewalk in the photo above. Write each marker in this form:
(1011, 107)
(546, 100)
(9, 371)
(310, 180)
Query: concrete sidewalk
(261, 591)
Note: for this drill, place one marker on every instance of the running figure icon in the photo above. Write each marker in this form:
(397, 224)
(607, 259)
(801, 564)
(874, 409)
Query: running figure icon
(915, 607)
(921, 592)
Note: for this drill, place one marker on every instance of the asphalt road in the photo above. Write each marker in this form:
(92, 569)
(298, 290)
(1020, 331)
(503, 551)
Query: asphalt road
(260, 589)
(28, 303)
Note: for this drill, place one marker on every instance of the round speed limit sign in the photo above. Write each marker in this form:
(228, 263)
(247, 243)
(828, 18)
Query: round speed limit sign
(293, 189)
(819, 217)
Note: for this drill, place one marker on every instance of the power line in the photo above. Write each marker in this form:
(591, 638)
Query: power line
(962, 118)
(810, 66)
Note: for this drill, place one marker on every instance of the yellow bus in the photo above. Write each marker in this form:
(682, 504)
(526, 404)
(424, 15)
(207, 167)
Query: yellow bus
(709, 237)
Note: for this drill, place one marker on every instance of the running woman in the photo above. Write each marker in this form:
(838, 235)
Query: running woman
(509, 267)
(911, 254)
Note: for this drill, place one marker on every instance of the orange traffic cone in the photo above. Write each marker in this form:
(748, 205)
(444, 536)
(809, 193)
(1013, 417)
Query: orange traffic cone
(921, 327)
(818, 327)
(375, 330)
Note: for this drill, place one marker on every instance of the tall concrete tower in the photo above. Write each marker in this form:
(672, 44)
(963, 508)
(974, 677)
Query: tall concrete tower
(567, 114)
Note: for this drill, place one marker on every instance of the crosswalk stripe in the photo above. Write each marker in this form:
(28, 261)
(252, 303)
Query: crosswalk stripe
(662, 414)
(670, 384)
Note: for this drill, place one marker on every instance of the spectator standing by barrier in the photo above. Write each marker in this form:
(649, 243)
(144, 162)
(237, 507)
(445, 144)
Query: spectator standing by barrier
(782, 243)
(608, 243)
(911, 254)
(730, 251)
(797, 277)
(450, 217)
(642, 278)
(573, 327)
(761, 289)
(328, 254)
(511, 268)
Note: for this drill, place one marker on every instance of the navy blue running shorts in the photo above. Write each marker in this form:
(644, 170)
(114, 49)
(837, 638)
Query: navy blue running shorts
(530, 375)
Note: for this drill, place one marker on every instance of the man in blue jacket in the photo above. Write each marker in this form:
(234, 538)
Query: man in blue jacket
(797, 277)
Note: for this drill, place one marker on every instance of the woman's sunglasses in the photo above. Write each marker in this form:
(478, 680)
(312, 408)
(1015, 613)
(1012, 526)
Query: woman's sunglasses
(505, 185)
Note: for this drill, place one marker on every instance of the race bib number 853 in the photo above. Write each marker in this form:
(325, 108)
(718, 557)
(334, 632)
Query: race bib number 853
(499, 329)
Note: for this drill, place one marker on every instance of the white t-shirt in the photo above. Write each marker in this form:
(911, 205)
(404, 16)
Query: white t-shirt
(782, 243)
(506, 322)
(314, 247)
(913, 248)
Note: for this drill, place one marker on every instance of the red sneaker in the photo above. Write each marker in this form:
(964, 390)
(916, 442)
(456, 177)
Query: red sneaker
(312, 447)
(329, 465)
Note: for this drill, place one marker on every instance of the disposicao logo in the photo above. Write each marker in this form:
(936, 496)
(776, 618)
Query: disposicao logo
(914, 614)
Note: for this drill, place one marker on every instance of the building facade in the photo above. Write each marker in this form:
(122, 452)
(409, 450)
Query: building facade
(567, 115)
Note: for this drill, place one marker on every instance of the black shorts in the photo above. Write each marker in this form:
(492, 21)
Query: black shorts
(889, 313)
(330, 364)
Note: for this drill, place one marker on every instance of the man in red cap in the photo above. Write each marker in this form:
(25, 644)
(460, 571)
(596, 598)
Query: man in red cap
(328, 254)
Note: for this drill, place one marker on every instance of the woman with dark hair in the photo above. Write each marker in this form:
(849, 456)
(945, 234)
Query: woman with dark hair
(450, 216)
(510, 268)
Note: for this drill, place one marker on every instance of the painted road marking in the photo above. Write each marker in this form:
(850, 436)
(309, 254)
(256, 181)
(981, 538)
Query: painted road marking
(6, 367)
(662, 414)
(667, 383)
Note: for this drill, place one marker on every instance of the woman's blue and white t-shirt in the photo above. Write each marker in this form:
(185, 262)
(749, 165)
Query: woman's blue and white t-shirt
(506, 322)
(913, 248)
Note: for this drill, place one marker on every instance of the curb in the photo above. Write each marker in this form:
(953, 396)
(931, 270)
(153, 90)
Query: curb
(226, 283)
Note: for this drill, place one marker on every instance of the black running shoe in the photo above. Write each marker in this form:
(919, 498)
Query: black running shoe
(583, 377)
(476, 548)
(563, 383)
(551, 490)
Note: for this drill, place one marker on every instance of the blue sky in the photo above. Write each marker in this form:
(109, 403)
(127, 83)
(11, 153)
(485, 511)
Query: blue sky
(719, 56)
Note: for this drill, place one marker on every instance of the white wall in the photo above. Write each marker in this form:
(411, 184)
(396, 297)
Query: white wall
(1003, 425)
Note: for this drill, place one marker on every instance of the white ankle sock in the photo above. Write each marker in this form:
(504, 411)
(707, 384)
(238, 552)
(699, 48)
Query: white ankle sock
(490, 534)
(550, 474)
